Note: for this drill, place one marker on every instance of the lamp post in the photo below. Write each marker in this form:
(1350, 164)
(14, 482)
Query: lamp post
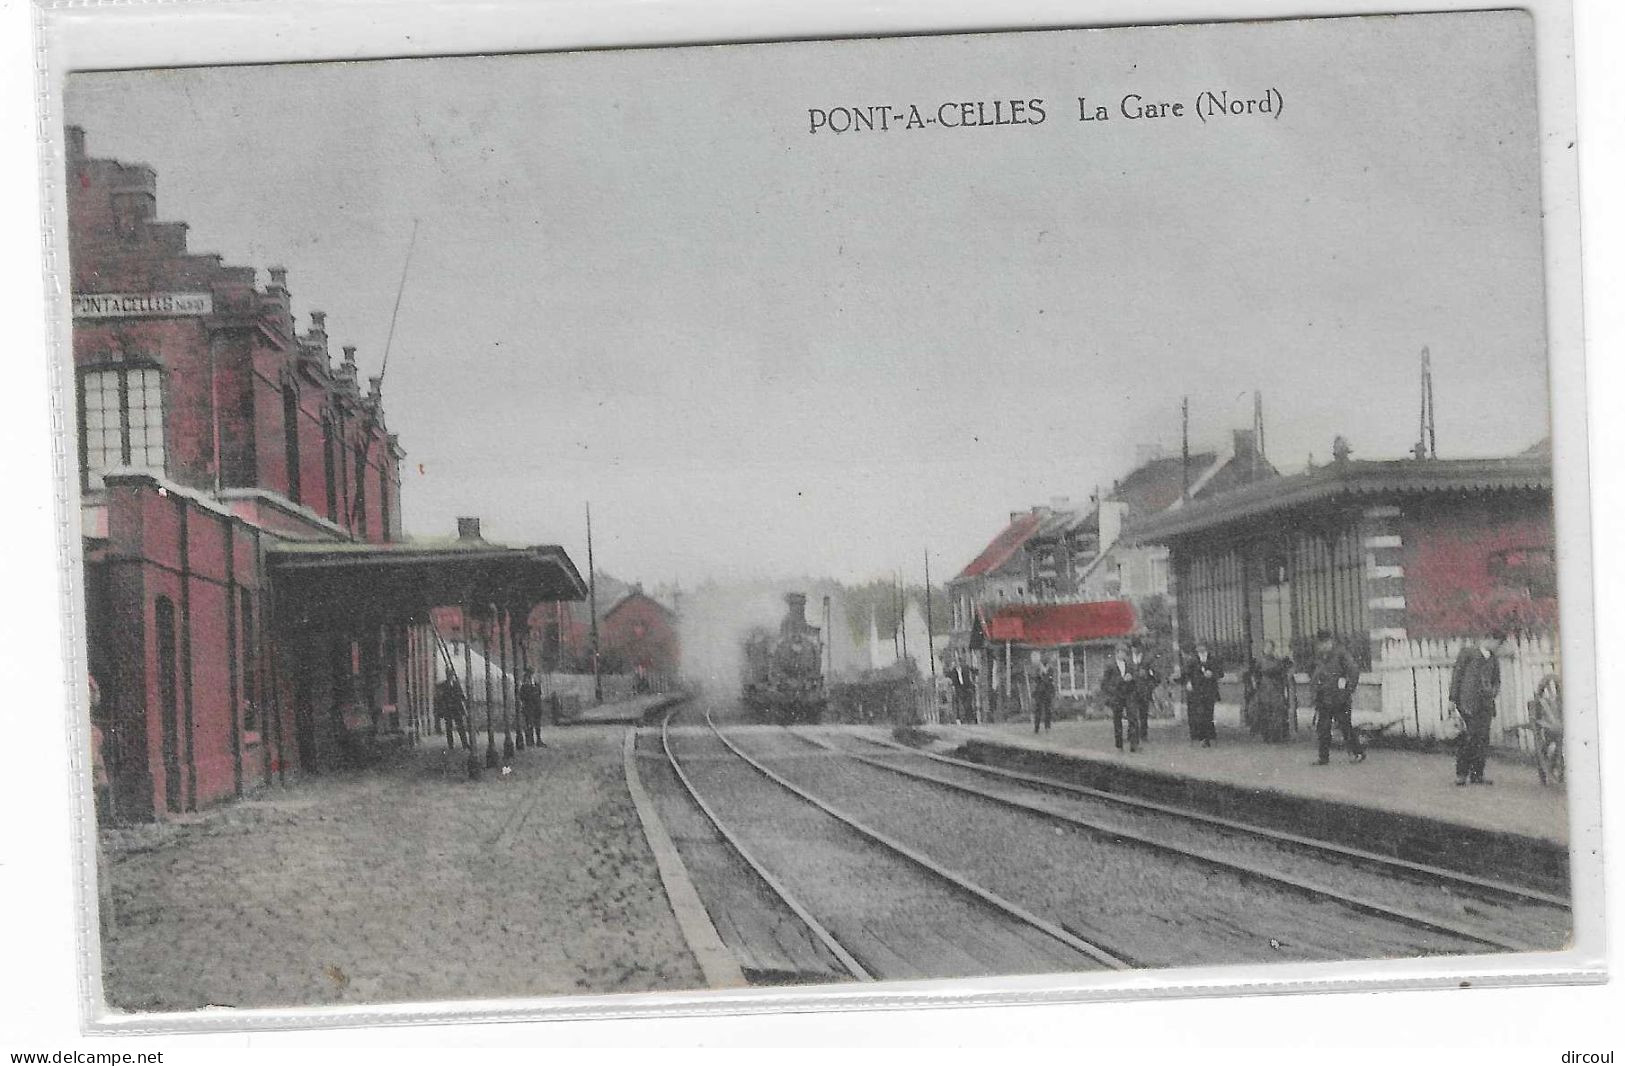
(516, 636)
(468, 686)
(491, 759)
(504, 634)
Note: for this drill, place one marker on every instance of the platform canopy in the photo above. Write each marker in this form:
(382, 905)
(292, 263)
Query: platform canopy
(346, 583)
(1053, 625)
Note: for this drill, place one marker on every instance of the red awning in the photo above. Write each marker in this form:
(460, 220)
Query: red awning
(1048, 625)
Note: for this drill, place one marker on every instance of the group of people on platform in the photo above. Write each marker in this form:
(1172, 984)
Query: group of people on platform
(451, 710)
(1130, 682)
(1131, 679)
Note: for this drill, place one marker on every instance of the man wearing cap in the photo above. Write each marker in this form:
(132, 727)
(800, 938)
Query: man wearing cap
(1474, 684)
(1117, 690)
(1333, 679)
(1146, 680)
(1202, 674)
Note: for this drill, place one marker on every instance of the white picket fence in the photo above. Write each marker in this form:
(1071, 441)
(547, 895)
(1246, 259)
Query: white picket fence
(1415, 678)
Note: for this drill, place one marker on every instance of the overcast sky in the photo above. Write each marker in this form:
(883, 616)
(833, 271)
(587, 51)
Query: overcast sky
(639, 280)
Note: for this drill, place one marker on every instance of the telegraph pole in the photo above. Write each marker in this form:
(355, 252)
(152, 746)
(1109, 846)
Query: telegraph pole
(1258, 430)
(829, 645)
(930, 625)
(592, 611)
(1185, 448)
(1427, 445)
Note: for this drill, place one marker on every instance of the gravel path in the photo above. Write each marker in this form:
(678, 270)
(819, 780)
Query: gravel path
(1150, 907)
(399, 884)
(899, 921)
(1539, 925)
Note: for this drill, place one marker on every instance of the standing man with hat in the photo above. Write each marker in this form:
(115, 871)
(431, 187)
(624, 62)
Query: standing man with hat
(1475, 682)
(1117, 690)
(1144, 691)
(1333, 679)
(1201, 674)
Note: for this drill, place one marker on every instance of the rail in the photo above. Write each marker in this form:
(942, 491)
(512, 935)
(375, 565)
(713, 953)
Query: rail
(1071, 940)
(1209, 858)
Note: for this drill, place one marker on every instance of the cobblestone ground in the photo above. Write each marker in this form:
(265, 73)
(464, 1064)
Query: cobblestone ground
(400, 883)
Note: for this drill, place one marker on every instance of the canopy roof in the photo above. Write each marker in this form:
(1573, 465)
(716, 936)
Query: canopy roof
(318, 583)
(1048, 625)
(1350, 479)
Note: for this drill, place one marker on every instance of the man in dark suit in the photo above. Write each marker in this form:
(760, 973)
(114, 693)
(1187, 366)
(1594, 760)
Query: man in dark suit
(530, 708)
(1044, 686)
(1117, 690)
(1475, 682)
(1201, 674)
(1146, 680)
(1333, 679)
(963, 680)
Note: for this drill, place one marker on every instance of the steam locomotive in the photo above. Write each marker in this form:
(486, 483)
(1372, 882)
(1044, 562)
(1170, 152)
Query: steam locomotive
(784, 673)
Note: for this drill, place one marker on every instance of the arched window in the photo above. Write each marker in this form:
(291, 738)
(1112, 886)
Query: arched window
(330, 468)
(290, 437)
(383, 499)
(251, 717)
(168, 697)
(359, 507)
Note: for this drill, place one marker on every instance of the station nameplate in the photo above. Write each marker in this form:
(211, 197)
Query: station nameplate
(142, 304)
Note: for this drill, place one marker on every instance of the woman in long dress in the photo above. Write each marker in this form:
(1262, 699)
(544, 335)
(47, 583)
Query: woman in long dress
(1274, 673)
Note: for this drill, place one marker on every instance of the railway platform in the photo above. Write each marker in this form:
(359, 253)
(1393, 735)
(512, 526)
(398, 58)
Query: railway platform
(1398, 801)
(625, 712)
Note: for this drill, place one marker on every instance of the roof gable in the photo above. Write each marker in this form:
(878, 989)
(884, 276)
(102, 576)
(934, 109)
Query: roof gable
(1004, 546)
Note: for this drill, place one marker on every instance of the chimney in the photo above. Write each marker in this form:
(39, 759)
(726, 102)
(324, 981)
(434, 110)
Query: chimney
(76, 142)
(318, 329)
(1245, 443)
(279, 281)
(468, 528)
(349, 355)
(375, 386)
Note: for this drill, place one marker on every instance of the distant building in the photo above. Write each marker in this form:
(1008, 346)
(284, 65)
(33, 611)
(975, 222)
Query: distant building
(639, 636)
(1061, 555)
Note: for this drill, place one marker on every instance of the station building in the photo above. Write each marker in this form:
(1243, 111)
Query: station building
(253, 609)
(1401, 560)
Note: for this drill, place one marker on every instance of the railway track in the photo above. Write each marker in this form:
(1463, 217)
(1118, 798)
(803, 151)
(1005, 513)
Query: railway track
(825, 866)
(975, 869)
(1446, 901)
(1388, 864)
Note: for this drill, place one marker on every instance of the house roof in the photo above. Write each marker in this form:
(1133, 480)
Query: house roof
(638, 594)
(1347, 479)
(1153, 486)
(1005, 545)
(1051, 625)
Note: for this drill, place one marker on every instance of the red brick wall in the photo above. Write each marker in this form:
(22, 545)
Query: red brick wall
(163, 546)
(1450, 545)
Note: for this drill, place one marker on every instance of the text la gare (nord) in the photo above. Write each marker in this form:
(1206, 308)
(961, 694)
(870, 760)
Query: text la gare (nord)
(1207, 105)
